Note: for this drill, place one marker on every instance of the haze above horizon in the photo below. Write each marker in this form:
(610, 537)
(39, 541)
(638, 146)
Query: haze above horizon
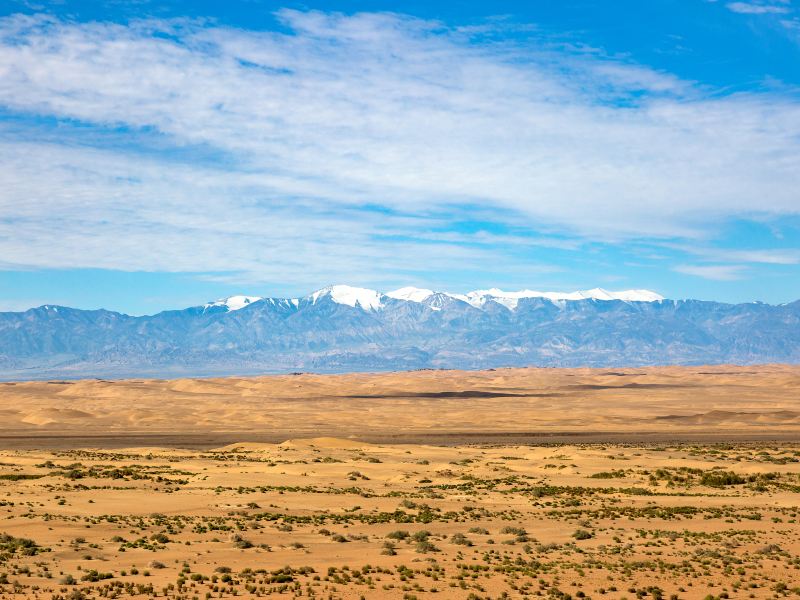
(156, 155)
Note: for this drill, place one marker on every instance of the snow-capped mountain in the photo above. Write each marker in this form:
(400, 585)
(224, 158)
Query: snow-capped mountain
(341, 328)
(350, 296)
(411, 294)
(374, 300)
(233, 302)
(511, 299)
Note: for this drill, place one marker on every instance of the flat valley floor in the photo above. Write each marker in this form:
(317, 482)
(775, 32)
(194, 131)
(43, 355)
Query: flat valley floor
(651, 483)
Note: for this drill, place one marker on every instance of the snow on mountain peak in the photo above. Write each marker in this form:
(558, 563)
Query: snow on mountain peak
(351, 296)
(372, 300)
(625, 295)
(411, 294)
(638, 296)
(510, 300)
(234, 302)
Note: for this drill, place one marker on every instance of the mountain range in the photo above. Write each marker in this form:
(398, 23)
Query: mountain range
(343, 328)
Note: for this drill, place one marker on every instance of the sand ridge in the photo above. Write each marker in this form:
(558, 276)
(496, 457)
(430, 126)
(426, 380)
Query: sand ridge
(419, 405)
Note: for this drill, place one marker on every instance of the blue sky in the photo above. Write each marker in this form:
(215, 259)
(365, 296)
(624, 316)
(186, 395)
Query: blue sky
(158, 155)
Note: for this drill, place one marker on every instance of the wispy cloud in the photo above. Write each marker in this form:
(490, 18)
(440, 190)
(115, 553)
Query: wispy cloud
(753, 8)
(781, 256)
(713, 272)
(792, 26)
(349, 142)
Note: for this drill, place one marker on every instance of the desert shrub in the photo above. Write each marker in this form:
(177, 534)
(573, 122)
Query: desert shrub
(93, 576)
(389, 549)
(424, 546)
(461, 539)
(479, 530)
(582, 534)
(18, 476)
(614, 474)
(13, 545)
(721, 479)
(421, 536)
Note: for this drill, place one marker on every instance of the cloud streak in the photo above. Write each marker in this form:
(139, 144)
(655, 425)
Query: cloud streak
(713, 272)
(750, 8)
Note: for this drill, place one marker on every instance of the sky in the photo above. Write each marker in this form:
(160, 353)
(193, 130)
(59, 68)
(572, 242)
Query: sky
(157, 155)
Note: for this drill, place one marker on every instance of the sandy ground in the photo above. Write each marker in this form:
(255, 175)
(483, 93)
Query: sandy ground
(505, 405)
(302, 505)
(333, 518)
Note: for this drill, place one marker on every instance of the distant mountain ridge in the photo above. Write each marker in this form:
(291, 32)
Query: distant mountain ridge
(371, 299)
(344, 328)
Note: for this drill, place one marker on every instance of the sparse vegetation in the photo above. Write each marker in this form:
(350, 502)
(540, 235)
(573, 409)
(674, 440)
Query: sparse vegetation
(490, 522)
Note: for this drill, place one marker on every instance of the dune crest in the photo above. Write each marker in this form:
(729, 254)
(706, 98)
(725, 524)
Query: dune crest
(326, 442)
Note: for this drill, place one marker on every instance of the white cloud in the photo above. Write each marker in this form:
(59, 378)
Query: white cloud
(713, 272)
(769, 257)
(792, 25)
(89, 208)
(785, 256)
(750, 8)
(338, 142)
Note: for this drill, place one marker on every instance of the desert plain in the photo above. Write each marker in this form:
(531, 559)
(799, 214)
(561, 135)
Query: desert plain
(556, 483)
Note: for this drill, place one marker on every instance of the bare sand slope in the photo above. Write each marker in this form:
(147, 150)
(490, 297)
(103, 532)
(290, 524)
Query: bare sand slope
(504, 405)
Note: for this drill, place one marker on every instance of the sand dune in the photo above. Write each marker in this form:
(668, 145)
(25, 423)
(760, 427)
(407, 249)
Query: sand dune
(672, 401)
(720, 417)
